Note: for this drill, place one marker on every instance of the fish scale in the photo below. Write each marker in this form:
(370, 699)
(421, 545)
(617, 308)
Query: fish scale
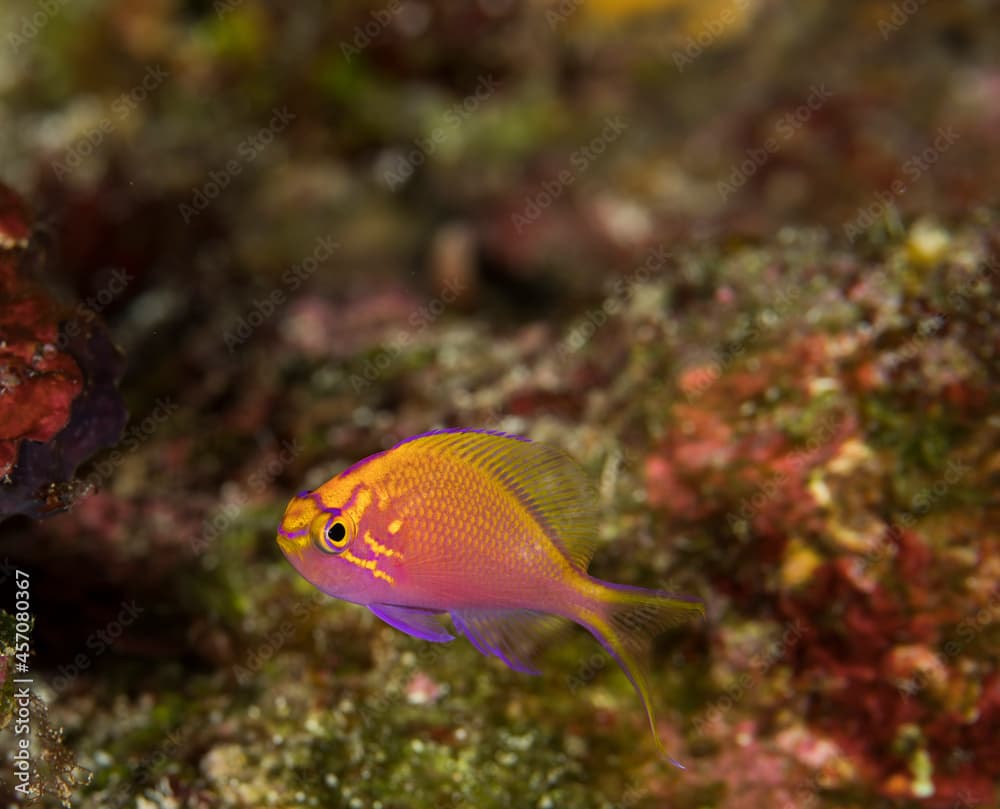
(487, 535)
(490, 529)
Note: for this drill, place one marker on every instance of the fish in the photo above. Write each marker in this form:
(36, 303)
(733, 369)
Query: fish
(489, 529)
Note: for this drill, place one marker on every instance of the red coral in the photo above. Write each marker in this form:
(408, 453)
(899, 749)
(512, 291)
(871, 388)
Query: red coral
(874, 675)
(38, 383)
(872, 612)
(57, 398)
(703, 464)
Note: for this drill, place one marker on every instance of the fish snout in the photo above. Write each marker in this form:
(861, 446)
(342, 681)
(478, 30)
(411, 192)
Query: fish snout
(290, 547)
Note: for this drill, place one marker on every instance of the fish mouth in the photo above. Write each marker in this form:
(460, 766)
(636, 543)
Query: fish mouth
(289, 547)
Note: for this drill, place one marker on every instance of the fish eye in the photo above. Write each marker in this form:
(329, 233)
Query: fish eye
(335, 535)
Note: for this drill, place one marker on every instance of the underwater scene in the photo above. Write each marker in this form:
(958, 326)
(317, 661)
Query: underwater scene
(543, 404)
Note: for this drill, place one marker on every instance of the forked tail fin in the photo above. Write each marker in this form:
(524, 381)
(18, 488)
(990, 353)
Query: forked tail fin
(625, 619)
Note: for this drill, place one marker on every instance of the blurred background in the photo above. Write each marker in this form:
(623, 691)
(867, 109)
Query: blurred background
(740, 258)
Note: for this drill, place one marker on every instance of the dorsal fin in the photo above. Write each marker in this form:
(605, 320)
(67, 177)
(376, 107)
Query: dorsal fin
(546, 481)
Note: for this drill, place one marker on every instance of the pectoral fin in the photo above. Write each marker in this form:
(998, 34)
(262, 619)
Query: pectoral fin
(420, 623)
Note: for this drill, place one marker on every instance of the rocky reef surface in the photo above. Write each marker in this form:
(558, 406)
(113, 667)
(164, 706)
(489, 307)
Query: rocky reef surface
(744, 269)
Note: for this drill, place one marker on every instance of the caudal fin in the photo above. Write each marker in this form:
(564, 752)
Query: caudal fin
(625, 619)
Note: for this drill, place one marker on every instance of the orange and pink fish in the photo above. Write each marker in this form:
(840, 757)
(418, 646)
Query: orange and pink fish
(491, 529)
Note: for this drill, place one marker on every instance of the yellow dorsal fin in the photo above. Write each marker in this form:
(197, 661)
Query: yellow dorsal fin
(546, 481)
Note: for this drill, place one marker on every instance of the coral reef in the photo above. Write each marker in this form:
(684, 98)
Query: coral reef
(740, 260)
(58, 373)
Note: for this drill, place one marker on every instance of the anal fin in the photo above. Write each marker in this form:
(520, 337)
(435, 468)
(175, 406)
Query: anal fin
(512, 635)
